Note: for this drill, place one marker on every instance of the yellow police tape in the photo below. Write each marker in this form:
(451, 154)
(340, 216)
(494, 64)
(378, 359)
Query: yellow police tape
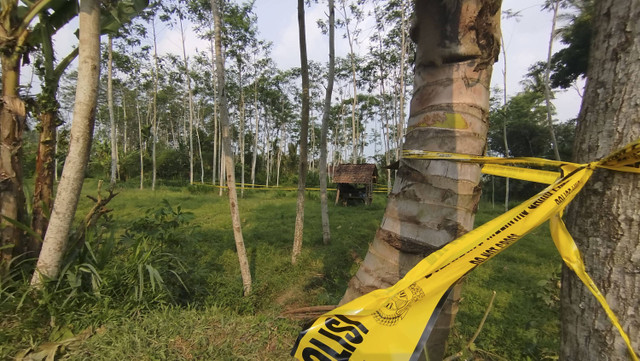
(391, 324)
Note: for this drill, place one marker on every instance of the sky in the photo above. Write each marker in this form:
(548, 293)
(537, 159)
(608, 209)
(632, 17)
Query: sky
(526, 42)
(526, 38)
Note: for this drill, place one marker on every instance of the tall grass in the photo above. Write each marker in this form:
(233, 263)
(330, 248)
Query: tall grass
(167, 284)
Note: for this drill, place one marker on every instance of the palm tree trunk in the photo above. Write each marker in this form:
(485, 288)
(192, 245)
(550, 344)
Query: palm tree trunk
(433, 202)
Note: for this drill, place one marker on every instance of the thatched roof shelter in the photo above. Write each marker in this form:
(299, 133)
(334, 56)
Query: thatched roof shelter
(355, 173)
(346, 176)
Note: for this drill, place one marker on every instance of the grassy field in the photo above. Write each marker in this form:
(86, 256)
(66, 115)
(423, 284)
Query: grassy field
(210, 320)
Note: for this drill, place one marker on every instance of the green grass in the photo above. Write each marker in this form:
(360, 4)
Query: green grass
(524, 321)
(212, 321)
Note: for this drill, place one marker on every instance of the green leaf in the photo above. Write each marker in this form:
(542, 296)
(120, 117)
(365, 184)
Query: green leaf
(122, 13)
(64, 12)
(23, 227)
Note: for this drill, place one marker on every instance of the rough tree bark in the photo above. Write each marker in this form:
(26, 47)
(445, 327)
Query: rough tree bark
(433, 202)
(228, 155)
(604, 218)
(64, 207)
(12, 124)
(304, 135)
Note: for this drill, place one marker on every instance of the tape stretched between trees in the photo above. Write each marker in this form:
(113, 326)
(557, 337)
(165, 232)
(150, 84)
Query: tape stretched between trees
(389, 324)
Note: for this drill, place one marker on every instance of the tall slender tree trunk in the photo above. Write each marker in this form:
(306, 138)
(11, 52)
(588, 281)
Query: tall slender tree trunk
(383, 95)
(354, 101)
(112, 120)
(433, 202)
(401, 96)
(199, 119)
(324, 207)
(241, 130)
(304, 135)
(154, 123)
(226, 140)
(255, 136)
(279, 157)
(604, 218)
(547, 73)
(47, 144)
(269, 154)
(125, 139)
(190, 98)
(222, 168)
(141, 145)
(214, 163)
(64, 208)
(215, 113)
(12, 124)
(43, 187)
(505, 106)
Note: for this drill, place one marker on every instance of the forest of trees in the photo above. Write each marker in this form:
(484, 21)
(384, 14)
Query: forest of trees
(172, 119)
(157, 119)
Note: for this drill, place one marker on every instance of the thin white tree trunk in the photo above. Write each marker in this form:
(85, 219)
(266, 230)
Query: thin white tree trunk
(403, 53)
(112, 121)
(241, 130)
(504, 120)
(279, 157)
(214, 163)
(269, 153)
(190, 97)
(354, 102)
(124, 126)
(198, 125)
(226, 140)
(383, 94)
(154, 124)
(547, 74)
(255, 137)
(141, 149)
(68, 193)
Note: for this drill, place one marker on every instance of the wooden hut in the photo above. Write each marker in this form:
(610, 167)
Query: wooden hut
(355, 182)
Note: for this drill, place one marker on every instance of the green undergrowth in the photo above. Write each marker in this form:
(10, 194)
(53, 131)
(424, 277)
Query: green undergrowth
(160, 276)
(159, 280)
